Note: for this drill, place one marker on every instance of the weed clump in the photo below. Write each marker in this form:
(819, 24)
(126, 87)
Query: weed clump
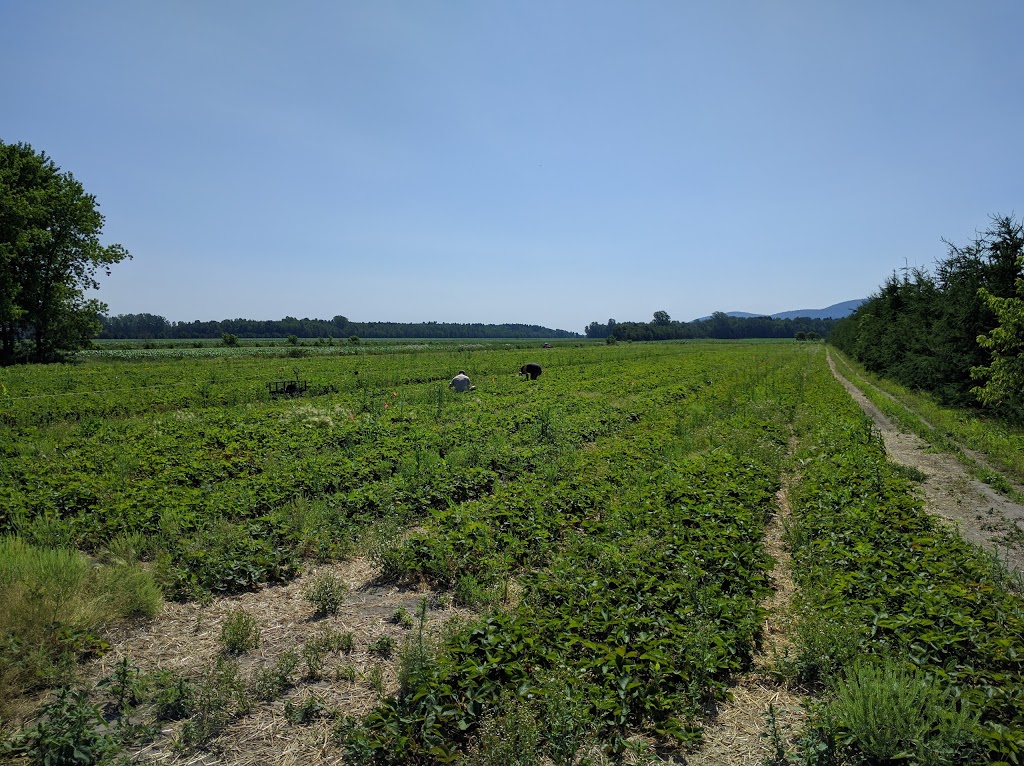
(53, 604)
(886, 712)
(326, 593)
(240, 632)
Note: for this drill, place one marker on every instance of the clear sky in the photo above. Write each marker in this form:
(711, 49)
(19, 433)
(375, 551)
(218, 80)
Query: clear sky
(549, 162)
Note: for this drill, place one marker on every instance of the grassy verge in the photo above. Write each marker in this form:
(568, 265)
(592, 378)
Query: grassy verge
(54, 604)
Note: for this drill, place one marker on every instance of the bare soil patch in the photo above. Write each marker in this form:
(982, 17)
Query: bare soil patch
(185, 638)
(977, 512)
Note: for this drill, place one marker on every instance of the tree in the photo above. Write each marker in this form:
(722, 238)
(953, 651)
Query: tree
(662, 318)
(1004, 377)
(49, 256)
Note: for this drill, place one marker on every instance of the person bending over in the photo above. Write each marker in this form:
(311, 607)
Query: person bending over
(532, 369)
(461, 383)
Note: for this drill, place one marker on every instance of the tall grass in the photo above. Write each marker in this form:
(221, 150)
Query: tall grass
(53, 603)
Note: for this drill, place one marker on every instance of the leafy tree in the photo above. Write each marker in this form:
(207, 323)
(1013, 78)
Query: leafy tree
(1004, 377)
(49, 256)
(923, 330)
(662, 318)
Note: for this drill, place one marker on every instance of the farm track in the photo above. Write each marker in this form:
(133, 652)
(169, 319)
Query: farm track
(978, 513)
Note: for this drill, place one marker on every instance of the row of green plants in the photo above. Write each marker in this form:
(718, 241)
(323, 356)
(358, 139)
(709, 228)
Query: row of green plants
(99, 389)
(635, 586)
(220, 498)
(914, 635)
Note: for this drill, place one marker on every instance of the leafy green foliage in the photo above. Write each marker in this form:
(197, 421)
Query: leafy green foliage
(894, 581)
(1003, 385)
(174, 698)
(383, 647)
(49, 256)
(69, 732)
(930, 331)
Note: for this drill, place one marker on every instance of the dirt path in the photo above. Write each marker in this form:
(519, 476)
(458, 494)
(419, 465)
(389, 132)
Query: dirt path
(739, 735)
(977, 511)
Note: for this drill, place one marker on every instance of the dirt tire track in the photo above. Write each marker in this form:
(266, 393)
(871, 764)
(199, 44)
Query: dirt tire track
(977, 512)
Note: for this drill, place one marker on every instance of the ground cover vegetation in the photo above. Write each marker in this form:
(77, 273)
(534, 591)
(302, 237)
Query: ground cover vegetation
(603, 522)
(955, 333)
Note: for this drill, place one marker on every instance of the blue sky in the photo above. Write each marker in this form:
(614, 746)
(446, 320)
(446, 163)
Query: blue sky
(545, 162)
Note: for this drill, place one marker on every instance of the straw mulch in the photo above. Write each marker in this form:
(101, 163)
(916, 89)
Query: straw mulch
(185, 638)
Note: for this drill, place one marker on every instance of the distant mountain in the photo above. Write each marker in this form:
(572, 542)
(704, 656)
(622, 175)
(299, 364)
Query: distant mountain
(835, 311)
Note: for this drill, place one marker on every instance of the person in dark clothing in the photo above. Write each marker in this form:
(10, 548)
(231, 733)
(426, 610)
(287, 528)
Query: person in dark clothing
(532, 369)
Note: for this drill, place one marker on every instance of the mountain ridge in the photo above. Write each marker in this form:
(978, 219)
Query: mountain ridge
(835, 311)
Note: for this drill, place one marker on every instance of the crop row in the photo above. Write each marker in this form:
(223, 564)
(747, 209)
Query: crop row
(230, 496)
(35, 395)
(617, 502)
(639, 577)
(881, 577)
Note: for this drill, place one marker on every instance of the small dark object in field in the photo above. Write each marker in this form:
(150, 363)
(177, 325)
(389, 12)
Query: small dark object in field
(287, 387)
(532, 369)
(547, 345)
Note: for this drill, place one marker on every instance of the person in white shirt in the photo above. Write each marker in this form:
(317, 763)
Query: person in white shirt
(461, 382)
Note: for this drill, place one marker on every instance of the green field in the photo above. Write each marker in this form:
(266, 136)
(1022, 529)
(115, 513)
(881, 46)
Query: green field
(622, 497)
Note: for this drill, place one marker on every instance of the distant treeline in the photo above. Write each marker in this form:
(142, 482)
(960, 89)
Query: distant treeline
(935, 332)
(151, 326)
(719, 326)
